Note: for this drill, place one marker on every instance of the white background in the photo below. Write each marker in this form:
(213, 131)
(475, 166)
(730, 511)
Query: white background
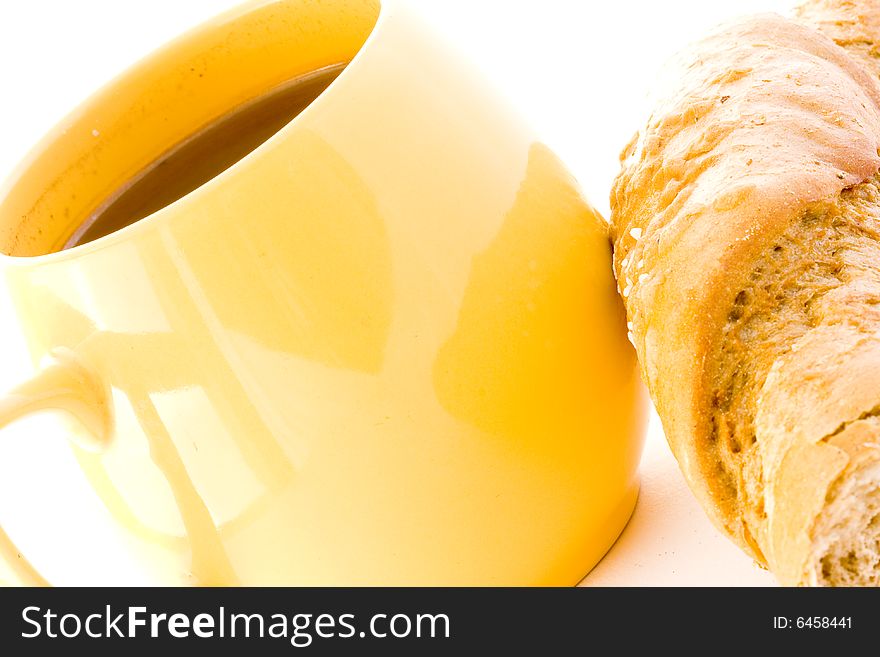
(578, 70)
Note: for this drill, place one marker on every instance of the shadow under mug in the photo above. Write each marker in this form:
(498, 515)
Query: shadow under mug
(383, 348)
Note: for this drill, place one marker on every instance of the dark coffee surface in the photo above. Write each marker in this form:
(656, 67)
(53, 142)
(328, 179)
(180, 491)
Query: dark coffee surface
(204, 155)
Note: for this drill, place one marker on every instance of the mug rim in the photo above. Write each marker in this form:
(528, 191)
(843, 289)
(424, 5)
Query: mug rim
(156, 55)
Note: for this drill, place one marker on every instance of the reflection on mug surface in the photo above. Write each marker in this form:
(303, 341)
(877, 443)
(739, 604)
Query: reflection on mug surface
(382, 348)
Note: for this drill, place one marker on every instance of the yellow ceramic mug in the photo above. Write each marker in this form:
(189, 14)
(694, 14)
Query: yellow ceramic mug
(382, 348)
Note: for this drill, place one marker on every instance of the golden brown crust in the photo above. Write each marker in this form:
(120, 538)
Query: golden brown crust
(737, 178)
(850, 24)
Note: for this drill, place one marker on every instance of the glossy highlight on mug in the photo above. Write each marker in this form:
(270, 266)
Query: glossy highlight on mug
(381, 348)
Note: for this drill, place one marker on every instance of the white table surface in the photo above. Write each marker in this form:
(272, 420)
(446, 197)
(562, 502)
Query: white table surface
(669, 541)
(579, 71)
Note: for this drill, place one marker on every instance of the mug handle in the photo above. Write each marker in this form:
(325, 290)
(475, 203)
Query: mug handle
(62, 383)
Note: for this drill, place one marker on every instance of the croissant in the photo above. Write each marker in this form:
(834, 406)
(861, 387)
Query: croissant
(746, 228)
